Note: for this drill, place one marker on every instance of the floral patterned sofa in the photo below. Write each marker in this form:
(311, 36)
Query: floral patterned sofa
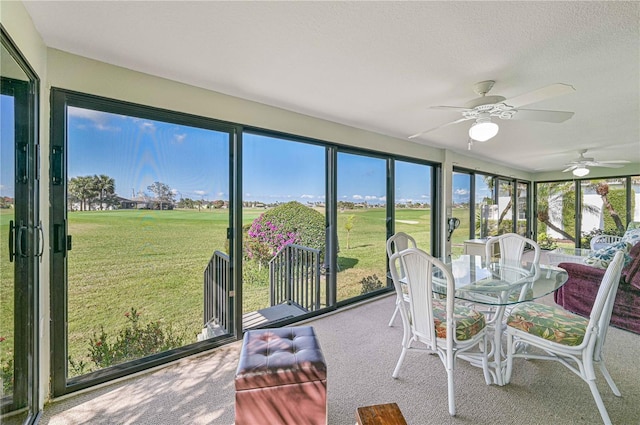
(579, 293)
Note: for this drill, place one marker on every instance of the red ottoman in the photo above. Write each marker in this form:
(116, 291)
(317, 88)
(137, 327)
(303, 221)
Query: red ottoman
(281, 378)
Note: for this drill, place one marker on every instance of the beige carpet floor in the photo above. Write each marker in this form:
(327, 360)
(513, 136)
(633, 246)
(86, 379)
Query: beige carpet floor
(361, 352)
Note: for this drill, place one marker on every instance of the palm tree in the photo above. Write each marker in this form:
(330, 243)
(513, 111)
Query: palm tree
(553, 199)
(105, 187)
(82, 189)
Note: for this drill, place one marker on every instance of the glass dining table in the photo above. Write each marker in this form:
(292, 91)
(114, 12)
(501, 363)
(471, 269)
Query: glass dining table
(494, 287)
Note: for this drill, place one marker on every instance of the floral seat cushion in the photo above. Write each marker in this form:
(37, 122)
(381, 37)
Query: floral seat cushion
(551, 323)
(468, 321)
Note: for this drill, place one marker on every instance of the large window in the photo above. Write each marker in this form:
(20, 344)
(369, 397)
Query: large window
(522, 209)
(283, 229)
(556, 212)
(600, 205)
(486, 209)
(500, 205)
(173, 233)
(461, 209)
(604, 207)
(361, 225)
(414, 202)
(145, 208)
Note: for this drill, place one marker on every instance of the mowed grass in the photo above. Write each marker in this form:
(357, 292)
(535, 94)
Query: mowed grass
(154, 261)
(365, 253)
(6, 286)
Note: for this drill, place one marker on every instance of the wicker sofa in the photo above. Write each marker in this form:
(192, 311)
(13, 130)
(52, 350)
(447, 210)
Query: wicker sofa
(579, 293)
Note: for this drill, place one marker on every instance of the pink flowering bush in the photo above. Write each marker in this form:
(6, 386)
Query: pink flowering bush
(265, 239)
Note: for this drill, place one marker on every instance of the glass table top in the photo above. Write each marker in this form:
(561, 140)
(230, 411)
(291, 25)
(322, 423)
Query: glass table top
(499, 283)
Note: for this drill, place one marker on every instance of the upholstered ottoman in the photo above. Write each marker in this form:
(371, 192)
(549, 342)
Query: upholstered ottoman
(281, 378)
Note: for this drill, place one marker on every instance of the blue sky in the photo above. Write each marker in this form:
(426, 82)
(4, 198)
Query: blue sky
(7, 150)
(194, 162)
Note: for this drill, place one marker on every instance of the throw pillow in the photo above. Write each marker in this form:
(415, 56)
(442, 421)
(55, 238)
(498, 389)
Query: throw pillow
(631, 236)
(602, 257)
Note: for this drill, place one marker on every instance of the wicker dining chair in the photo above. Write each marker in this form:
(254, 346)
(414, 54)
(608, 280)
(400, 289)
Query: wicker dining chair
(444, 327)
(572, 340)
(396, 243)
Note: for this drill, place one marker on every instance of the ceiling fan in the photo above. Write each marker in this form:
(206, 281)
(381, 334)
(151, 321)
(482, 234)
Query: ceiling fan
(579, 165)
(483, 108)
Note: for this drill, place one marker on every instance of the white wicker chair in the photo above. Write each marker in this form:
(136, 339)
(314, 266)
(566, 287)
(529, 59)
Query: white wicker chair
(573, 340)
(445, 329)
(512, 248)
(396, 243)
(601, 241)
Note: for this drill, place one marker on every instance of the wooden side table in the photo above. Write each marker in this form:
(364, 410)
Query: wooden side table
(380, 414)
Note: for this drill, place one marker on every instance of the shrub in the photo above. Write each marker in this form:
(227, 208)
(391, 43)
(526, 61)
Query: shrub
(265, 239)
(132, 342)
(6, 370)
(287, 223)
(546, 242)
(370, 283)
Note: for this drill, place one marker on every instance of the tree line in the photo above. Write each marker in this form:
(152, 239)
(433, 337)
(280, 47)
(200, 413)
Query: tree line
(97, 192)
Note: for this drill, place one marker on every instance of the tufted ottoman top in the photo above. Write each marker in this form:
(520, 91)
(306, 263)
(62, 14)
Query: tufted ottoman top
(281, 356)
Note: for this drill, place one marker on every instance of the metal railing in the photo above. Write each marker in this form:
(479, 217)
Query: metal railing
(294, 277)
(218, 302)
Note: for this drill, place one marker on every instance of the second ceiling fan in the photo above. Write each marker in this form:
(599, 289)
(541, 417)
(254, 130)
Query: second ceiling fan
(484, 108)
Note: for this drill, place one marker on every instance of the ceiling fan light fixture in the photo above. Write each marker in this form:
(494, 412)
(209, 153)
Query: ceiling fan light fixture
(483, 129)
(581, 171)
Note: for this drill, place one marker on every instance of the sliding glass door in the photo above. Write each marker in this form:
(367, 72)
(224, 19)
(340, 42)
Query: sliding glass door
(361, 224)
(19, 235)
(141, 255)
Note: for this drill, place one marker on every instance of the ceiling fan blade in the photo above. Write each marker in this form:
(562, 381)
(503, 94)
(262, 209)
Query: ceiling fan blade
(539, 95)
(435, 128)
(455, 108)
(573, 167)
(602, 164)
(615, 161)
(541, 115)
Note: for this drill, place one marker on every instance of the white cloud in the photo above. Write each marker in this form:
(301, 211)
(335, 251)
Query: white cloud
(424, 196)
(307, 196)
(461, 192)
(147, 126)
(200, 192)
(179, 138)
(383, 198)
(357, 196)
(370, 198)
(99, 119)
(219, 194)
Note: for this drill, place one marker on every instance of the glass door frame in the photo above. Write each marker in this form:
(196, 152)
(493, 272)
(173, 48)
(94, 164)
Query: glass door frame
(26, 284)
(61, 243)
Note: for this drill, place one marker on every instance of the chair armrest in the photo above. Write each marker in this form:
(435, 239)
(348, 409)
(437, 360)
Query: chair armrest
(583, 272)
(601, 241)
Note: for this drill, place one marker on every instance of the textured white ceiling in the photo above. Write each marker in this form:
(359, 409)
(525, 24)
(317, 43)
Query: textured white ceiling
(379, 65)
